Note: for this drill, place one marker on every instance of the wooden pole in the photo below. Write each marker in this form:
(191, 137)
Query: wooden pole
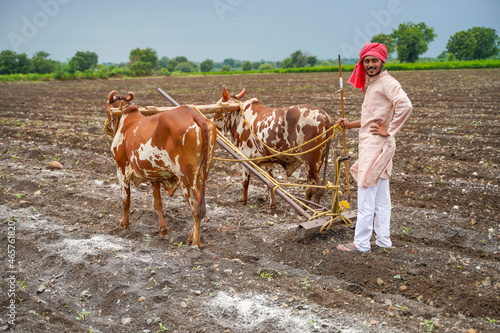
(209, 108)
(343, 131)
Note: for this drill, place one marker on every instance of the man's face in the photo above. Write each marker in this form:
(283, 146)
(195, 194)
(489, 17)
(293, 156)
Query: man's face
(373, 65)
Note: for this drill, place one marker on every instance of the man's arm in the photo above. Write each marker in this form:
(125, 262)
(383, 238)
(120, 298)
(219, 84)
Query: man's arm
(347, 125)
(402, 108)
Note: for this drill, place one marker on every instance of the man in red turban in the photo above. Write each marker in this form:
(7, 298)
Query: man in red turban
(384, 111)
(358, 77)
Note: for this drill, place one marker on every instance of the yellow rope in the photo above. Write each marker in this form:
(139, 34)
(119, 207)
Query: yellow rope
(339, 128)
(329, 186)
(335, 129)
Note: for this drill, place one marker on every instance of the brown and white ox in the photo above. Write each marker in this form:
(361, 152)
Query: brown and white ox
(171, 148)
(281, 129)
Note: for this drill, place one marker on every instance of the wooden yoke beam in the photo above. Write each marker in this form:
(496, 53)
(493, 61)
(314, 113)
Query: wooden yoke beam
(205, 109)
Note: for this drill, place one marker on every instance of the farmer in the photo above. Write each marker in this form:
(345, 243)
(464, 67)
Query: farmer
(384, 111)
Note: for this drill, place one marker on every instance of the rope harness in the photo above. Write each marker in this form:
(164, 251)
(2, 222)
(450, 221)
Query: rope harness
(108, 123)
(337, 208)
(289, 152)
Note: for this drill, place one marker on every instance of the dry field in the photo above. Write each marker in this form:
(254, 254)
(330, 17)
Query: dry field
(75, 271)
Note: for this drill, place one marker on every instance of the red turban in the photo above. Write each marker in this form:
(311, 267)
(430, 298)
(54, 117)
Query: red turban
(358, 77)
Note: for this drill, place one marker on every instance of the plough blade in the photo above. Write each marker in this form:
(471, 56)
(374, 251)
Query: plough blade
(315, 225)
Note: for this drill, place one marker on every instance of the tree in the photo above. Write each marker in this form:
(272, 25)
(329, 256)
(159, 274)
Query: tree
(41, 64)
(412, 40)
(23, 63)
(186, 67)
(295, 60)
(311, 60)
(387, 40)
(140, 68)
(256, 64)
(171, 64)
(230, 62)
(265, 67)
(246, 66)
(146, 55)
(462, 45)
(163, 62)
(82, 61)
(180, 59)
(207, 65)
(486, 42)
(13, 63)
(8, 62)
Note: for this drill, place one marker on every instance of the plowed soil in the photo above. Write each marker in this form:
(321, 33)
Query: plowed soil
(68, 267)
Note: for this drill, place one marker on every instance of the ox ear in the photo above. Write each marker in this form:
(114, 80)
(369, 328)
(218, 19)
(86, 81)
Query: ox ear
(111, 96)
(225, 94)
(241, 94)
(130, 96)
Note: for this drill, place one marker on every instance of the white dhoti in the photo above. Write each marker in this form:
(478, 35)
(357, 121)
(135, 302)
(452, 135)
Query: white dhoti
(373, 201)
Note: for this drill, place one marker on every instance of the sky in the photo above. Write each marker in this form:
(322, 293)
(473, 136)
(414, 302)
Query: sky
(218, 29)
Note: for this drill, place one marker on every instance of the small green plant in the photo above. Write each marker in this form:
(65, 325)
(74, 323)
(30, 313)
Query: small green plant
(305, 283)
(82, 315)
(406, 230)
(491, 321)
(180, 244)
(314, 325)
(147, 239)
(429, 325)
(166, 292)
(162, 328)
(264, 274)
(21, 285)
(151, 287)
(197, 266)
(19, 195)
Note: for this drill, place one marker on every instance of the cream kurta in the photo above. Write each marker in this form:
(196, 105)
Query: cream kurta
(385, 101)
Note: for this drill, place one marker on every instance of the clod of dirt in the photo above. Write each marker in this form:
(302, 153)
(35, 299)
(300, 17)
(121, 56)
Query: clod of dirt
(55, 165)
(85, 295)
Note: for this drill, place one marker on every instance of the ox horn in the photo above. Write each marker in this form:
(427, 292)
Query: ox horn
(111, 96)
(130, 96)
(240, 95)
(225, 94)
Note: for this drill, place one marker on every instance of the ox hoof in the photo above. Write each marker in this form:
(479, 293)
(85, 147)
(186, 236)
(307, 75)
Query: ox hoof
(195, 246)
(190, 242)
(163, 232)
(123, 225)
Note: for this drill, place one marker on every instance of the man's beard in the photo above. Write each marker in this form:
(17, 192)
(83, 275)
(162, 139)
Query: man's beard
(380, 70)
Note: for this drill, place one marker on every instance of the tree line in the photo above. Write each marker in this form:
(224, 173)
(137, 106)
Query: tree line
(409, 41)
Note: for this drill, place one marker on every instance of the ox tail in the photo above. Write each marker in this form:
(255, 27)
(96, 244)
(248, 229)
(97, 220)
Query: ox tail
(205, 140)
